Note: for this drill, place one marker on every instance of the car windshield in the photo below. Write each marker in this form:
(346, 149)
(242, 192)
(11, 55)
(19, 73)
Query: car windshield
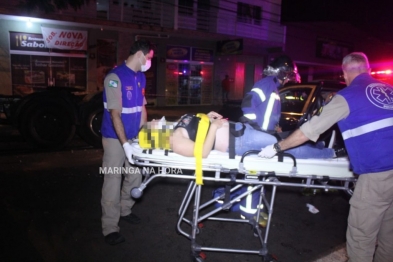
(293, 100)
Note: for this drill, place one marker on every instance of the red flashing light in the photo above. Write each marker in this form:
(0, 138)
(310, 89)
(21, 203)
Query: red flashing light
(383, 72)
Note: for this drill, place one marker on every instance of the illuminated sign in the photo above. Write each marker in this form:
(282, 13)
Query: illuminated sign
(27, 42)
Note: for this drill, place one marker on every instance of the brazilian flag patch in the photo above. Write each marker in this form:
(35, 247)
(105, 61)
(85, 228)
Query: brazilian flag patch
(113, 83)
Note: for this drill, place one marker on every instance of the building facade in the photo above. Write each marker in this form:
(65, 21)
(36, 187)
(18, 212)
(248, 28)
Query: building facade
(197, 42)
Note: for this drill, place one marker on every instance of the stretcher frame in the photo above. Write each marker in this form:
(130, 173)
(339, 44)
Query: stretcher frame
(244, 174)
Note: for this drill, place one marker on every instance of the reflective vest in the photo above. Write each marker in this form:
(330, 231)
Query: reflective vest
(262, 104)
(249, 204)
(132, 88)
(368, 129)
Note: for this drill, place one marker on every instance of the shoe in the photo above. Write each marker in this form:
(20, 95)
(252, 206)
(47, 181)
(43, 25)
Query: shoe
(340, 152)
(114, 238)
(131, 218)
(263, 218)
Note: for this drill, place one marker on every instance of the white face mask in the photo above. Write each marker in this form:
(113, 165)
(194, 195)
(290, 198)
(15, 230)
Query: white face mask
(146, 66)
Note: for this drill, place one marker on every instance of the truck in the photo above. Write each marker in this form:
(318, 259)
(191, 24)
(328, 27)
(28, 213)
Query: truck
(50, 119)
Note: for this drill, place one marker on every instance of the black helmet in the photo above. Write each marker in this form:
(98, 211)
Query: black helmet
(284, 68)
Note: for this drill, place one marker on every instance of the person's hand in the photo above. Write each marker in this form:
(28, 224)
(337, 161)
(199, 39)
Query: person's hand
(278, 129)
(267, 152)
(128, 150)
(214, 115)
(218, 122)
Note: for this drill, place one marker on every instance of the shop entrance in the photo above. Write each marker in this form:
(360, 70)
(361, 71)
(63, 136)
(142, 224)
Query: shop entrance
(188, 84)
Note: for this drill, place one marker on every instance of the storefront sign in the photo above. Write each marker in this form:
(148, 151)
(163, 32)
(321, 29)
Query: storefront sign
(332, 49)
(231, 47)
(178, 53)
(27, 42)
(202, 55)
(64, 38)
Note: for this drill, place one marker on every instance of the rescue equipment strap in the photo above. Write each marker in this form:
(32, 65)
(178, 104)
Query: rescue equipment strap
(203, 128)
(232, 134)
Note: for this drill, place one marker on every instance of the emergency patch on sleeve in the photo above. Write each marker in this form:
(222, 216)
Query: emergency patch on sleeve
(113, 83)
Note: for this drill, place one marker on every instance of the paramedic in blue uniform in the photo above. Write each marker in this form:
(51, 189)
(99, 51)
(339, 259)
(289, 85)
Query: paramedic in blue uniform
(364, 113)
(124, 114)
(261, 106)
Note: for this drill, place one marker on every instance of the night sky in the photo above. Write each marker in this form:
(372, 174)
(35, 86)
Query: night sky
(374, 17)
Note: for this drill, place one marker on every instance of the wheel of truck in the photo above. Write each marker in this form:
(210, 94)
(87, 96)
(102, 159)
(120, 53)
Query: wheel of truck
(90, 127)
(48, 124)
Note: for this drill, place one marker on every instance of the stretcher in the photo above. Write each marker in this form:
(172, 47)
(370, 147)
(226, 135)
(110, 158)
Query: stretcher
(248, 171)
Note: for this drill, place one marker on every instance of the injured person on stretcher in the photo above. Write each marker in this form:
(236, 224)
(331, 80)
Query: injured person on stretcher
(223, 136)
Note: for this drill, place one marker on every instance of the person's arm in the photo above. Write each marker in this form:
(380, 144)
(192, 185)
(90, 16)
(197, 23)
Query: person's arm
(144, 114)
(216, 122)
(258, 106)
(295, 139)
(118, 125)
(333, 112)
(184, 146)
(248, 108)
(113, 92)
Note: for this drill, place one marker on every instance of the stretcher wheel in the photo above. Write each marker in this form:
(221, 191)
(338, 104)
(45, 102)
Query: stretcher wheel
(200, 258)
(136, 192)
(268, 258)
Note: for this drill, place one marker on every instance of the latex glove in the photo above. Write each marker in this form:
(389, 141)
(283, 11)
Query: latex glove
(128, 150)
(267, 152)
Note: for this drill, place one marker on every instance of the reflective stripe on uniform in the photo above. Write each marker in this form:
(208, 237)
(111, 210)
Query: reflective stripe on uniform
(127, 110)
(248, 208)
(364, 129)
(269, 109)
(251, 116)
(260, 93)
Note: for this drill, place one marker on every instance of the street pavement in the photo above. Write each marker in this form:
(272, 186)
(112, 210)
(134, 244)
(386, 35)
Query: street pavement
(50, 204)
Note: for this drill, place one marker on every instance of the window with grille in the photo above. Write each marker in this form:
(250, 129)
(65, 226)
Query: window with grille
(186, 7)
(250, 14)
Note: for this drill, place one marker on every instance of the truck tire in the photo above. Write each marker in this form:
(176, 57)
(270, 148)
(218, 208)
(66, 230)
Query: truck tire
(47, 124)
(90, 125)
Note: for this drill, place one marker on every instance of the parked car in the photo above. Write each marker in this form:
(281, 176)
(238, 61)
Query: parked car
(299, 102)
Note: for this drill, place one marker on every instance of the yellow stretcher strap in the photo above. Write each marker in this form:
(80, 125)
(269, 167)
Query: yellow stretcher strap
(203, 127)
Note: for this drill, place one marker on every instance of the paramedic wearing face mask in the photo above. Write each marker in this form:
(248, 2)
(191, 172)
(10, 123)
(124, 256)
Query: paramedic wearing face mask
(124, 114)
